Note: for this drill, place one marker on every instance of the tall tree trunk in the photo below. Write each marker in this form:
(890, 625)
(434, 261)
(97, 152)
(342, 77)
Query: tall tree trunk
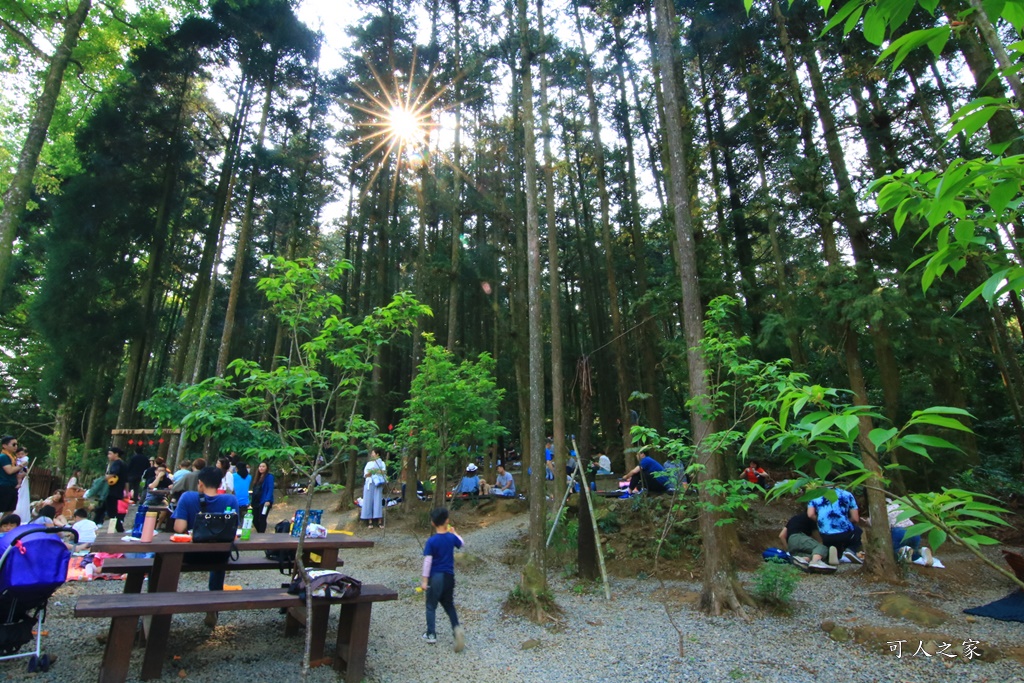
(888, 368)
(16, 197)
(554, 287)
(534, 579)
(811, 184)
(63, 436)
(1002, 126)
(737, 216)
(722, 588)
(211, 241)
(244, 234)
(624, 383)
(647, 330)
(453, 284)
(880, 560)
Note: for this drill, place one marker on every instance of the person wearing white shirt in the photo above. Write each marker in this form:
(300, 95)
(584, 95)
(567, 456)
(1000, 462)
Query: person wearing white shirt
(86, 529)
(228, 482)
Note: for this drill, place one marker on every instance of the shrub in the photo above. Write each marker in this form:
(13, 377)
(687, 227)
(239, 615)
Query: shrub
(774, 583)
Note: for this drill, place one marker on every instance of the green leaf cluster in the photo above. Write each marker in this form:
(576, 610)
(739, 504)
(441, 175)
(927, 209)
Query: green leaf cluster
(964, 210)
(452, 407)
(305, 409)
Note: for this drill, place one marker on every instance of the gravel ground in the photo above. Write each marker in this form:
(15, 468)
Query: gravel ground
(632, 638)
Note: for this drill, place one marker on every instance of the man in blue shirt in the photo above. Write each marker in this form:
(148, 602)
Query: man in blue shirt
(646, 476)
(837, 524)
(190, 504)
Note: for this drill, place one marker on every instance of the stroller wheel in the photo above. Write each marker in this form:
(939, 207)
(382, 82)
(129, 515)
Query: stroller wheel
(44, 663)
(33, 664)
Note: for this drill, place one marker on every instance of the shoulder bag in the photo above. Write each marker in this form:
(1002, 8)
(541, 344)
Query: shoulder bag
(214, 527)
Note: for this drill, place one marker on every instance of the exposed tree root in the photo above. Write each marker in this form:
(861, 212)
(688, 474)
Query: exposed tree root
(723, 593)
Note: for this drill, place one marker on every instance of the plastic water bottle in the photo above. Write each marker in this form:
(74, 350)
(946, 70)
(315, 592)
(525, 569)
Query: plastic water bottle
(247, 525)
(140, 518)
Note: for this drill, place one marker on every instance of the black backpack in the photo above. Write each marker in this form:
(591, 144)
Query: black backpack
(286, 558)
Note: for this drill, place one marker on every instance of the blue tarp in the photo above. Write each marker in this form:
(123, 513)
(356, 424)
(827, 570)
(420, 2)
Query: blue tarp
(1010, 608)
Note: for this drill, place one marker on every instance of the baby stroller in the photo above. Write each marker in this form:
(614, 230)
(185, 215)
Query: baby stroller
(33, 564)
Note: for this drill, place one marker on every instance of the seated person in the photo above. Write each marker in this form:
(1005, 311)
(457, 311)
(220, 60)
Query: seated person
(797, 537)
(189, 506)
(755, 474)
(9, 522)
(184, 468)
(44, 516)
(648, 474)
(837, 524)
(604, 464)
(470, 483)
(504, 485)
(56, 501)
(903, 545)
(86, 529)
(160, 487)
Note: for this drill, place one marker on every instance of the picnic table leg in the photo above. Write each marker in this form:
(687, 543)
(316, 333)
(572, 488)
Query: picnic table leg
(329, 558)
(133, 583)
(297, 617)
(163, 579)
(118, 652)
(353, 639)
(318, 624)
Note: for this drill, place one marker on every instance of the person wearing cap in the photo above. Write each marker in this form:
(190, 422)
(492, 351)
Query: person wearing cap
(470, 483)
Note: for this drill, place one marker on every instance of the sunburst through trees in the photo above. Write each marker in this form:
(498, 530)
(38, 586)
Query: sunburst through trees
(402, 118)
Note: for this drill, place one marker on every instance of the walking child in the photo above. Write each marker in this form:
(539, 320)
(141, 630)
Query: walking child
(438, 578)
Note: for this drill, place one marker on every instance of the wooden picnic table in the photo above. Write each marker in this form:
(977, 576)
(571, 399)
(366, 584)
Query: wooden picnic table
(167, 568)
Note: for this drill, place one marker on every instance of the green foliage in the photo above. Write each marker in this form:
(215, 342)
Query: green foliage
(452, 406)
(960, 210)
(739, 387)
(1004, 481)
(562, 551)
(775, 583)
(961, 514)
(329, 488)
(303, 410)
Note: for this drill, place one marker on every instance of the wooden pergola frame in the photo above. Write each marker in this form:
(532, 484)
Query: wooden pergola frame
(143, 432)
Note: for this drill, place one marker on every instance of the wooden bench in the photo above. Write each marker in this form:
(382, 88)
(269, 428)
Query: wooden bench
(124, 612)
(136, 568)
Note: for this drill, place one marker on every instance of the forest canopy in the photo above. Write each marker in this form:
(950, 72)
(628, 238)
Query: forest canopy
(566, 186)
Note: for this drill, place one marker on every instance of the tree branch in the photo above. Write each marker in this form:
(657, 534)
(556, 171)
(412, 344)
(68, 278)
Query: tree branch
(24, 40)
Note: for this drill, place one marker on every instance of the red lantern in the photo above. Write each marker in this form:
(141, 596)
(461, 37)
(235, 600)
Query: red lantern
(160, 440)
(391, 427)
(130, 442)
(151, 442)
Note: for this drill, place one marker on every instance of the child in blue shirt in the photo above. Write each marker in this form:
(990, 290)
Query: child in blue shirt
(438, 579)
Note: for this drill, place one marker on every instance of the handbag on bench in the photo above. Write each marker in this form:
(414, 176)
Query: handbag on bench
(326, 583)
(214, 527)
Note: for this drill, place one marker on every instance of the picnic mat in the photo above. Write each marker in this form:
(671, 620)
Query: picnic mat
(1010, 608)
